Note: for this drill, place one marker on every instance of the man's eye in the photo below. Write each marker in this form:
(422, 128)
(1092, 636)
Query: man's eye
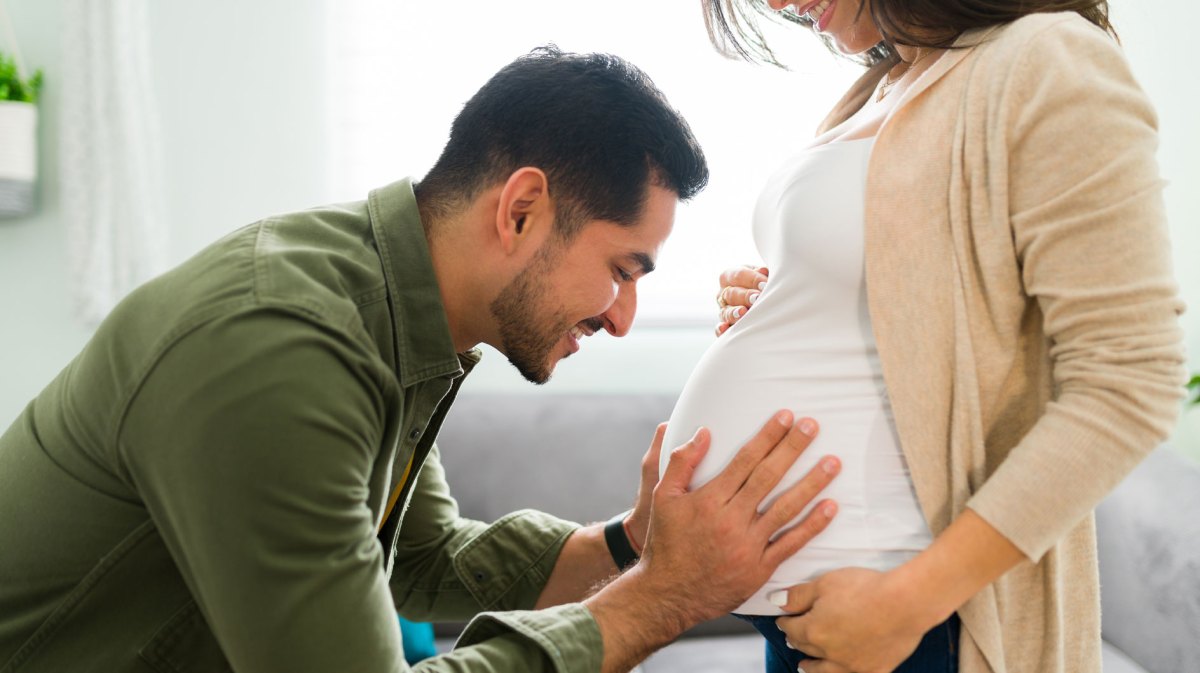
(625, 276)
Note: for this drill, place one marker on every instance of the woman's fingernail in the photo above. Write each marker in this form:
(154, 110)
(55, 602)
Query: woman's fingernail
(737, 312)
(829, 509)
(829, 465)
(784, 418)
(753, 297)
(778, 598)
(808, 427)
(762, 285)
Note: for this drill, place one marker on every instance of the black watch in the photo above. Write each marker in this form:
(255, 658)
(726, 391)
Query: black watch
(618, 542)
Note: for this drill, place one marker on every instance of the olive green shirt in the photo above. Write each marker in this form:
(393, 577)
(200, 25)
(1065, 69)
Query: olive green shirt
(206, 486)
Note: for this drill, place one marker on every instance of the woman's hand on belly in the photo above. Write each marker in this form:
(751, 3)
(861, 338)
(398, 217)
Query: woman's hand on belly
(740, 288)
(714, 537)
(852, 619)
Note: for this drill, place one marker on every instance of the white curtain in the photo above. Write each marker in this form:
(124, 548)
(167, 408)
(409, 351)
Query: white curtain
(111, 175)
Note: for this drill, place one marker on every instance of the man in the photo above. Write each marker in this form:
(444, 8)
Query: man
(238, 471)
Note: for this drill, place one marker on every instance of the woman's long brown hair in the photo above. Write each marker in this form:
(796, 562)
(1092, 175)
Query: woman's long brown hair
(733, 24)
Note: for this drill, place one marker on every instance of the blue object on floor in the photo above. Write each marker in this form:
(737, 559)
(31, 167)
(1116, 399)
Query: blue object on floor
(418, 640)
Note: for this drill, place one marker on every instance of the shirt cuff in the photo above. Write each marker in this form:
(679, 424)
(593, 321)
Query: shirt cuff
(567, 634)
(506, 566)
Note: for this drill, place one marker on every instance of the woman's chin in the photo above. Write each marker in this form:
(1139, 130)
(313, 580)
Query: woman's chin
(857, 42)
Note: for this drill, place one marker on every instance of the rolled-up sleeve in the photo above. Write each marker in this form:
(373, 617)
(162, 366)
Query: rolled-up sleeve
(451, 568)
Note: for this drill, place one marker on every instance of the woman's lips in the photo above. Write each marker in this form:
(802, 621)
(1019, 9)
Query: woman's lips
(820, 13)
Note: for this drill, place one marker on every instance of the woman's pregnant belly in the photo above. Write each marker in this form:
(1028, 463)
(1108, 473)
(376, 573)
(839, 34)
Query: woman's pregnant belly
(743, 379)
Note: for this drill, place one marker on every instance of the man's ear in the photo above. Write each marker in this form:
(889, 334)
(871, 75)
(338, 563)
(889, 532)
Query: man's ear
(524, 208)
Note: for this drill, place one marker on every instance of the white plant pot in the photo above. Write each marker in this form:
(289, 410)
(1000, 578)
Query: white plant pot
(18, 157)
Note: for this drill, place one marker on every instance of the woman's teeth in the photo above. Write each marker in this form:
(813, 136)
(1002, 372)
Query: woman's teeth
(818, 11)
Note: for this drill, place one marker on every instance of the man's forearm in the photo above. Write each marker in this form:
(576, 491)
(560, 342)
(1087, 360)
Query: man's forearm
(583, 564)
(635, 618)
(632, 616)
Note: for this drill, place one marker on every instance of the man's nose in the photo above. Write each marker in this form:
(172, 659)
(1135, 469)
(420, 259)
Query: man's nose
(619, 317)
(778, 4)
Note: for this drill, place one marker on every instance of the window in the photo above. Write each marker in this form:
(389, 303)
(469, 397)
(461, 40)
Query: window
(402, 70)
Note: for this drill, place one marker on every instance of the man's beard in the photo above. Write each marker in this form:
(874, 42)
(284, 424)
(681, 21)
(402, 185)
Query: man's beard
(526, 332)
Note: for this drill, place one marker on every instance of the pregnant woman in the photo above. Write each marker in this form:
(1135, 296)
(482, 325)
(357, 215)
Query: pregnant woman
(970, 289)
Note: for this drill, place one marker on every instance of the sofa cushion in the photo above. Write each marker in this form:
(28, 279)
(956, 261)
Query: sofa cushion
(575, 456)
(1113, 660)
(1148, 533)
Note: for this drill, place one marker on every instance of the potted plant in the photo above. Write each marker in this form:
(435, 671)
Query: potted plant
(18, 137)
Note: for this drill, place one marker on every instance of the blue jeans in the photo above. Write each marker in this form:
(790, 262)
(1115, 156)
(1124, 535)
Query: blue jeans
(937, 653)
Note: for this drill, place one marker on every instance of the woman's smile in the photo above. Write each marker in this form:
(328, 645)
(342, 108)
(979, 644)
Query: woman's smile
(820, 14)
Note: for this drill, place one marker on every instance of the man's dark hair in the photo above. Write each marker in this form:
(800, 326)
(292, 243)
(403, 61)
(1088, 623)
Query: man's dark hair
(594, 123)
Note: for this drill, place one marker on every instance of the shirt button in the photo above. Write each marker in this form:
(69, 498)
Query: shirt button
(415, 433)
(480, 576)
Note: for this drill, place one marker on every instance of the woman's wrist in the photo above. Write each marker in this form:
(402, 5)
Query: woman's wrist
(913, 586)
(966, 557)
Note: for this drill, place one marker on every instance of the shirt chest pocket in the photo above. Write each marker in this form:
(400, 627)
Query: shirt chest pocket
(185, 644)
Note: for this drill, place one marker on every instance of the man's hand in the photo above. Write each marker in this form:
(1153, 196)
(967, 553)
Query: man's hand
(708, 550)
(852, 620)
(637, 524)
(715, 537)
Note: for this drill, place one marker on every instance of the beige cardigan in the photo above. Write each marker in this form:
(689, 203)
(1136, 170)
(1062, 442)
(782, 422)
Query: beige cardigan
(1019, 282)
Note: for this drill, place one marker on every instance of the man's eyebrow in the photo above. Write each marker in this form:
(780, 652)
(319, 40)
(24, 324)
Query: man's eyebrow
(643, 260)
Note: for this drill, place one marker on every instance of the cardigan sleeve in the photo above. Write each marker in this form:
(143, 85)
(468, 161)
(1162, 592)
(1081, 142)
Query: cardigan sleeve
(1089, 228)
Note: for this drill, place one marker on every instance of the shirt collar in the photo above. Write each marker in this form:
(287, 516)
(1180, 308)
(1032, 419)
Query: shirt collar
(424, 349)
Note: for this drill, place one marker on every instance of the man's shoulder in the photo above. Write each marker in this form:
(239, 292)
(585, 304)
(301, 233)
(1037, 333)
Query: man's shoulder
(324, 259)
(313, 270)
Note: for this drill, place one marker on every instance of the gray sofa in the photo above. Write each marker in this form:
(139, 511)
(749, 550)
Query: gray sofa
(577, 457)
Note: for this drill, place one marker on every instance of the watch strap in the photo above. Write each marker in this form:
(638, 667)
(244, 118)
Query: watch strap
(622, 551)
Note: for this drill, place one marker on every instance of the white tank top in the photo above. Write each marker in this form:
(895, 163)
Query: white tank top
(807, 345)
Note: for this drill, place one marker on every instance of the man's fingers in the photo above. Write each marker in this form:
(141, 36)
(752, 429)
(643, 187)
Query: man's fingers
(682, 463)
(766, 474)
(730, 480)
(651, 459)
(796, 537)
(793, 501)
(791, 541)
